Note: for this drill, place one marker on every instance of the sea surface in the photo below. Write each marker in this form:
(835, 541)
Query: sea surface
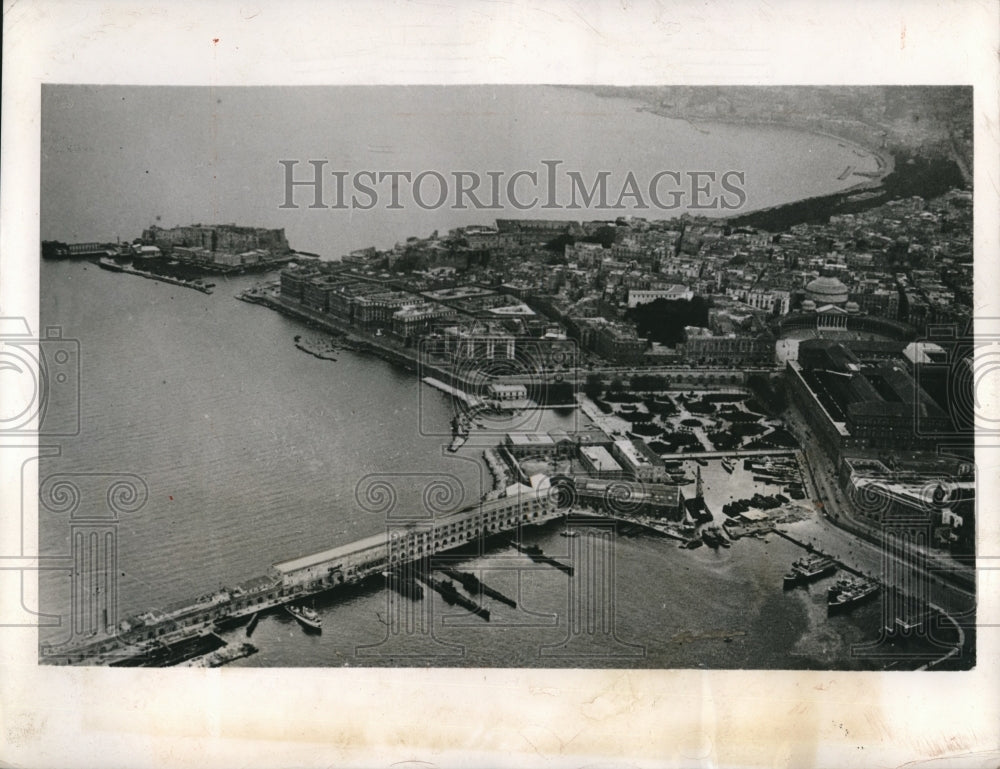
(251, 451)
(118, 159)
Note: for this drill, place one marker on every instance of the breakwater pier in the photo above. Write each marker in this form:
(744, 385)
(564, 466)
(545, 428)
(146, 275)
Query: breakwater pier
(179, 633)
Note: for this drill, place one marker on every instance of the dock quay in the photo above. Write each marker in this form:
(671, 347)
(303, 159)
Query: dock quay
(155, 637)
(404, 581)
(536, 555)
(175, 652)
(840, 564)
(113, 266)
(219, 658)
(447, 591)
(473, 584)
(471, 400)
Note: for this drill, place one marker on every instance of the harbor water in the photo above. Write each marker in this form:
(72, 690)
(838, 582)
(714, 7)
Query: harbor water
(251, 450)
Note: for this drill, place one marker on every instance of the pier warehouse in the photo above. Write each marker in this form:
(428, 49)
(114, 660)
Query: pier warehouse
(414, 538)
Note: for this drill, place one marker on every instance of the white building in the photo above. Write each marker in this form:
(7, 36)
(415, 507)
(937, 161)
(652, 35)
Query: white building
(637, 296)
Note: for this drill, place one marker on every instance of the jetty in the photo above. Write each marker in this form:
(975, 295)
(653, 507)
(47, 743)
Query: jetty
(536, 554)
(405, 583)
(113, 266)
(474, 585)
(437, 384)
(162, 637)
(447, 591)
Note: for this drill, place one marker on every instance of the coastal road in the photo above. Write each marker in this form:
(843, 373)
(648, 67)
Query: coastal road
(919, 566)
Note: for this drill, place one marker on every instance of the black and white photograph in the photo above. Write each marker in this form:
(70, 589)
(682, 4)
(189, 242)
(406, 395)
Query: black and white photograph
(571, 384)
(667, 377)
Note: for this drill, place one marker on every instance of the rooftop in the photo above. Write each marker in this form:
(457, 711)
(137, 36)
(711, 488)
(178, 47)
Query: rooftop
(631, 452)
(600, 458)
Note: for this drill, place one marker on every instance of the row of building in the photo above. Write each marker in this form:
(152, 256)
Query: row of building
(876, 403)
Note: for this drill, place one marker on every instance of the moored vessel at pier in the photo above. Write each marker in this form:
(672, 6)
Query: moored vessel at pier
(306, 616)
(808, 570)
(849, 593)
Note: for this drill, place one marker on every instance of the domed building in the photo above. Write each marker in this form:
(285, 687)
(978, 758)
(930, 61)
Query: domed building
(825, 290)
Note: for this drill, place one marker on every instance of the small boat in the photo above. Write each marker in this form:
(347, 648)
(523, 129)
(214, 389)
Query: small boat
(727, 465)
(569, 533)
(109, 264)
(306, 616)
(711, 537)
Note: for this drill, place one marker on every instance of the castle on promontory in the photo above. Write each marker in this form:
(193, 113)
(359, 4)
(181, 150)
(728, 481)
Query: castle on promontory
(218, 237)
(220, 247)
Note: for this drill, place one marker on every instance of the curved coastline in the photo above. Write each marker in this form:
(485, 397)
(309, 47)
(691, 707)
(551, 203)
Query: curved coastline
(884, 158)
(801, 209)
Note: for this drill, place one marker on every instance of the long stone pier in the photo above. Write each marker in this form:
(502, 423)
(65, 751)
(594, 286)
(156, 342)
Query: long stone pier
(151, 632)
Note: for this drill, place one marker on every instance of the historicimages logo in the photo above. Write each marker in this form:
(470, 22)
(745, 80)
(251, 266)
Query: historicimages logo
(40, 378)
(550, 186)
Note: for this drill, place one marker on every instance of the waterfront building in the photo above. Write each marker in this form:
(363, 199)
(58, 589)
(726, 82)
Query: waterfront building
(411, 321)
(214, 238)
(54, 249)
(618, 496)
(598, 462)
(506, 393)
(349, 563)
(940, 498)
(140, 252)
(638, 461)
(293, 279)
(522, 445)
(377, 310)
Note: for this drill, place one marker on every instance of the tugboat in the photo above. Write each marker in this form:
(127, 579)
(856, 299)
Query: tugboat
(809, 569)
(850, 593)
(306, 616)
(107, 263)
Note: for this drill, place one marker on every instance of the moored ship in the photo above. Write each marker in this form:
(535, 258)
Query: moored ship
(847, 594)
(306, 616)
(808, 570)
